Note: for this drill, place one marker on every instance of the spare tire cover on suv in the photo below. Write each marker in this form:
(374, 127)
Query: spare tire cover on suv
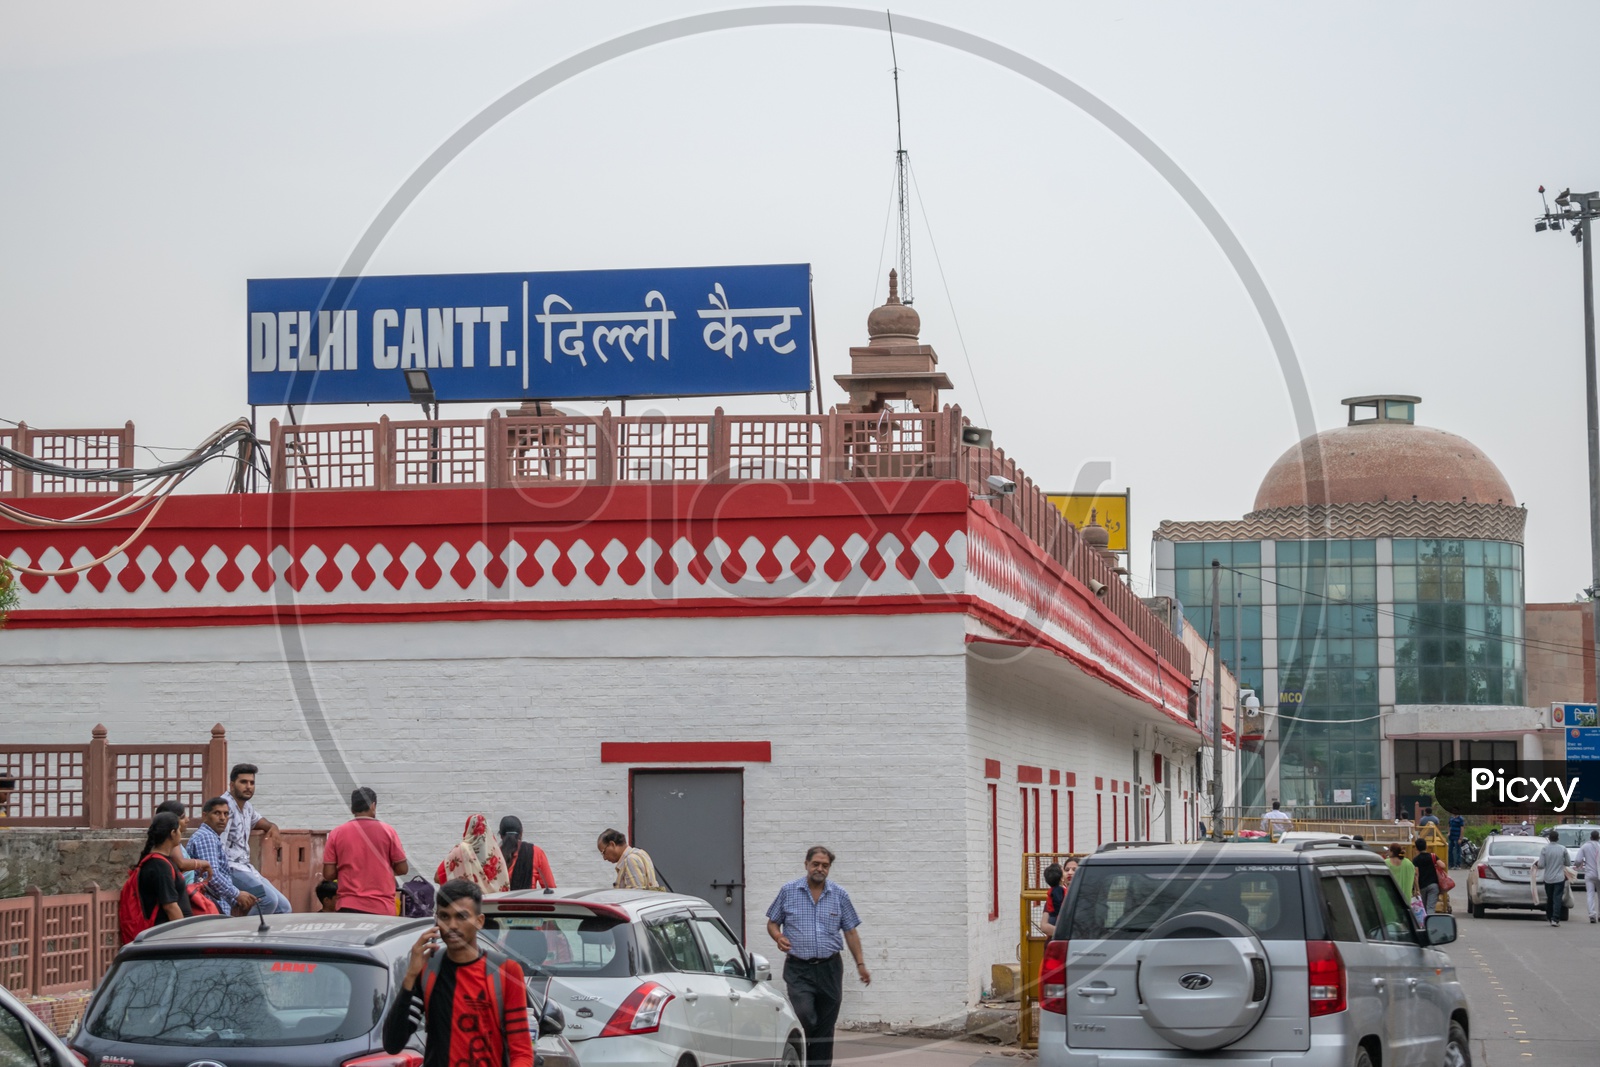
(1203, 980)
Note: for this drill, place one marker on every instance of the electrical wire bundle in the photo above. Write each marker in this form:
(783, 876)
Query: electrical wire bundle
(165, 478)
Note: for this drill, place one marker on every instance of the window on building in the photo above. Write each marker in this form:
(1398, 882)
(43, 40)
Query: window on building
(1489, 751)
(1421, 758)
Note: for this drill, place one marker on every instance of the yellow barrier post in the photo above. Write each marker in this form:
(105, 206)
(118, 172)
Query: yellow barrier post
(1032, 939)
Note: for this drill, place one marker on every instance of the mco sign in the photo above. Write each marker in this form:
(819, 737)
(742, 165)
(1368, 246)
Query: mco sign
(573, 335)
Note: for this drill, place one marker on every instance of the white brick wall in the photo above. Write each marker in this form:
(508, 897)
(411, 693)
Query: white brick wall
(1036, 710)
(880, 727)
(866, 717)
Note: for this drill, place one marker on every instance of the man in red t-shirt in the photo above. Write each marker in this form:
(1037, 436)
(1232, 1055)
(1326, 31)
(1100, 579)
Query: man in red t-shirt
(476, 1006)
(364, 856)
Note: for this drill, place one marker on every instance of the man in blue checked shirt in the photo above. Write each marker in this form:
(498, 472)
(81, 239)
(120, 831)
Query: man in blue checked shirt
(206, 844)
(811, 920)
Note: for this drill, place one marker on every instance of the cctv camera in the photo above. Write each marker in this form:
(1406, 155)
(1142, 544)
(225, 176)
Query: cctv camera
(1003, 486)
(1098, 588)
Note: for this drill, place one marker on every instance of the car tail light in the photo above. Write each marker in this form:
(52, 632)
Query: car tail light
(640, 1013)
(1053, 978)
(403, 1058)
(83, 1057)
(1485, 872)
(1325, 975)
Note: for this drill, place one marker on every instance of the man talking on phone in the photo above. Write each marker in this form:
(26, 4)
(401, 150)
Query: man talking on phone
(475, 1004)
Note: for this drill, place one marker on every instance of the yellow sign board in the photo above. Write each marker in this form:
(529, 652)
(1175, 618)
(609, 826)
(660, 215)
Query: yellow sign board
(1110, 510)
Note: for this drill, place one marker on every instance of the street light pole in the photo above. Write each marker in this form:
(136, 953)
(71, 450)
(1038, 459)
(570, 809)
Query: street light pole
(1581, 211)
(1591, 210)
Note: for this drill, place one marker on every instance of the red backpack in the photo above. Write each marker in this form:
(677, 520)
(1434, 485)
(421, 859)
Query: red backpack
(131, 919)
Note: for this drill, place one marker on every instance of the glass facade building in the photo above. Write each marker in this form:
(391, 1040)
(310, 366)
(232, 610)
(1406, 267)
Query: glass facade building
(1329, 633)
(1373, 599)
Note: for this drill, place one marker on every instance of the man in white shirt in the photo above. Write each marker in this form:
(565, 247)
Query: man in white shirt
(1589, 864)
(1275, 822)
(242, 819)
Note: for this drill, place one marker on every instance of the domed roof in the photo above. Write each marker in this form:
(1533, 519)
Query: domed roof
(894, 321)
(1383, 458)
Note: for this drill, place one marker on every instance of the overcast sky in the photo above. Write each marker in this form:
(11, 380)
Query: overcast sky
(1378, 163)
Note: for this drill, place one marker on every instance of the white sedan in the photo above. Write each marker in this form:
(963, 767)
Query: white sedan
(646, 978)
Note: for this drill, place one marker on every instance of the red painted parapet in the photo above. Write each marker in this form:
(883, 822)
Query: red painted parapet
(606, 449)
(56, 944)
(101, 785)
(294, 866)
(97, 449)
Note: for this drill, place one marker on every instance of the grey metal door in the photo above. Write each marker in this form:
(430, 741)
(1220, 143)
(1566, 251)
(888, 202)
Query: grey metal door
(692, 824)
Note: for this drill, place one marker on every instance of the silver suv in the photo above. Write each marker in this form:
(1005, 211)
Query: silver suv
(1247, 954)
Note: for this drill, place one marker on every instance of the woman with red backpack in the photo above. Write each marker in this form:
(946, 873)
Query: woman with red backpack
(155, 888)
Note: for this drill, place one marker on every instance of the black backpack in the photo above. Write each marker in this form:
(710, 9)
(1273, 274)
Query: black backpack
(416, 898)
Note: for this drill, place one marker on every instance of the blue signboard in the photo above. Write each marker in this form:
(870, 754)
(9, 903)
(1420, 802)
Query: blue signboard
(1573, 715)
(568, 335)
(1583, 742)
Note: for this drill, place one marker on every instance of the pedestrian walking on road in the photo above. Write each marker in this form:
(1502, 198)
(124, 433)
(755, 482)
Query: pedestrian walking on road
(1405, 873)
(244, 820)
(206, 844)
(811, 920)
(635, 868)
(1426, 866)
(474, 860)
(364, 856)
(526, 864)
(475, 1004)
(1589, 864)
(1552, 871)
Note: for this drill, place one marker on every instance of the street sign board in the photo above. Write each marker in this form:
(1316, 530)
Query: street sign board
(1109, 510)
(545, 335)
(1583, 742)
(1562, 715)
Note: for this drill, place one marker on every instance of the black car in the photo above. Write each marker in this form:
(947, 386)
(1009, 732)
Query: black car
(308, 990)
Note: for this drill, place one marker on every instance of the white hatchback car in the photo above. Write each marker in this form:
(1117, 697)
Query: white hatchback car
(647, 978)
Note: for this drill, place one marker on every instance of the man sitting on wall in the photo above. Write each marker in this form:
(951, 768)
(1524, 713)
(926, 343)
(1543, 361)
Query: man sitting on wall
(243, 820)
(206, 844)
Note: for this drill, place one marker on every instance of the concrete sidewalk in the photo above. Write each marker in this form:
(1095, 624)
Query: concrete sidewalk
(862, 1050)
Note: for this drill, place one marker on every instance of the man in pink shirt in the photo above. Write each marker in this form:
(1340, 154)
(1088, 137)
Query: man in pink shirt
(364, 856)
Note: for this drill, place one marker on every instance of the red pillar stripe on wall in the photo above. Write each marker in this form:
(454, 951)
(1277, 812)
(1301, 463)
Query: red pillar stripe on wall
(1055, 777)
(1072, 780)
(991, 768)
(1029, 775)
(1072, 824)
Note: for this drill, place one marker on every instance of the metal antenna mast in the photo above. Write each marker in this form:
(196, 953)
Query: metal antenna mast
(900, 177)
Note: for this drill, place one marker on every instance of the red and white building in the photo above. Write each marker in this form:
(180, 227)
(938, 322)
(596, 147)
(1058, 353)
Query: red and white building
(829, 618)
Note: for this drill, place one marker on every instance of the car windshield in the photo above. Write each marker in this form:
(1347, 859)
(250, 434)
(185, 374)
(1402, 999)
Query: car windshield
(217, 1000)
(1574, 836)
(1123, 901)
(563, 946)
(1502, 848)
